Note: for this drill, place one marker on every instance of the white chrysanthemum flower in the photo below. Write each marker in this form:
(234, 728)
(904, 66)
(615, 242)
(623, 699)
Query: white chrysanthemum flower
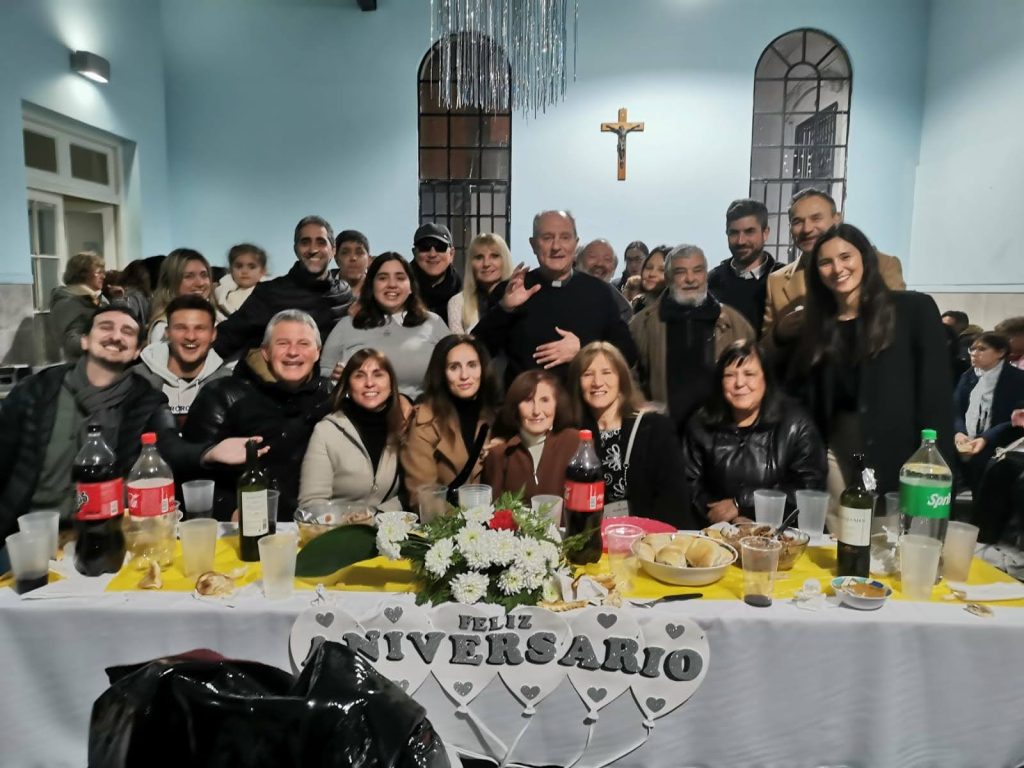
(532, 555)
(390, 548)
(439, 557)
(394, 525)
(479, 515)
(551, 590)
(550, 553)
(553, 533)
(469, 587)
(503, 547)
(511, 581)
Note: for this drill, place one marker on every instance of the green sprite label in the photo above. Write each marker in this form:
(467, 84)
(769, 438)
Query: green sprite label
(920, 499)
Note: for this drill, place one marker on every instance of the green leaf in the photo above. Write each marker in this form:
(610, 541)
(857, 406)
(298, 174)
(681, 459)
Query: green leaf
(336, 549)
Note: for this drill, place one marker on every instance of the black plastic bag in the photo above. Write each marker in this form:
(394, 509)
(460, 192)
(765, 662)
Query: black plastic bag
(200, 709)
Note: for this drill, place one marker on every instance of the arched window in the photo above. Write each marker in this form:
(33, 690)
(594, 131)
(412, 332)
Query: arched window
(802, 90)
(465, 160)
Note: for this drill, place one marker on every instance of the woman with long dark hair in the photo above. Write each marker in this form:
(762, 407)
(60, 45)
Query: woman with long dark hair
(391, 319)
(652, 277)
(872, 365)
(748, 436)
(353, 451)
(451, 423)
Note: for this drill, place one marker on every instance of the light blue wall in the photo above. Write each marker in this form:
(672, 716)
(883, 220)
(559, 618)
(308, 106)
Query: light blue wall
(278, 108)
(967, 211)
(36, 36)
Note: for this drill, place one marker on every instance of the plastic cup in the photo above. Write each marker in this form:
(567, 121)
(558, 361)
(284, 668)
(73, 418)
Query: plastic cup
(44, 520)
(919, 565)
(433, 501)
(30, 559)
(277, 559)
(958, 550)
(198, 544)
(151, 537)
(620, 539)
(198, 498)
(551, 504)
(760, 564)
(273, 499)
(769, 507)
(813, 506)
(473, 496)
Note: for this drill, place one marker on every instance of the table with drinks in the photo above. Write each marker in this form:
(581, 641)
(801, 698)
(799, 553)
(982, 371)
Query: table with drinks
(794, 678)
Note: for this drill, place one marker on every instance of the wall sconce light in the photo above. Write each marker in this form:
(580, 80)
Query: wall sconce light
(89, 65)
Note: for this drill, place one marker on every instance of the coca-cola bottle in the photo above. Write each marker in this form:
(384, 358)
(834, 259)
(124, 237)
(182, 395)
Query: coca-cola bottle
(150, 482)
(584, 500)
(99, 507)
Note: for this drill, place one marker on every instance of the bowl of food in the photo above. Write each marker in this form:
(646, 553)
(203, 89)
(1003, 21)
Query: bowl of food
(864, 594)
(317, 517)
(684, 559)
(794, 541)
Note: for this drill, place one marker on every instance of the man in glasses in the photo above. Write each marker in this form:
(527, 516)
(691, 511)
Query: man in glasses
(432, 265)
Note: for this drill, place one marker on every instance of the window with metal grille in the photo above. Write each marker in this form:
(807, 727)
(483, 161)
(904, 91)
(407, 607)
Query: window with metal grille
(801, 122)
(465, 158)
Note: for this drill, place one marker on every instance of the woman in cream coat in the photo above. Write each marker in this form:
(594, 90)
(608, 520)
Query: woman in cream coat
(353, 452)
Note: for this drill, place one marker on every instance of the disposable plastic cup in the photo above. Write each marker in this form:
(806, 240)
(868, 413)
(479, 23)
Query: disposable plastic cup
(473, 496)
(277, 559)
(958, 550)
(273, 499)
(549, 503)
(760, 564)
(769, 507)
(433, 501)
(44, 520)
(151, 538)
(919, 565)
(198, 544)
(30, 559)
(198, 498)
(813, 506)
(619, 539)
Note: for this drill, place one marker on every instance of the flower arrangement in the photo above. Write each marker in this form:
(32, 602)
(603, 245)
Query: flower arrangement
(505, 554)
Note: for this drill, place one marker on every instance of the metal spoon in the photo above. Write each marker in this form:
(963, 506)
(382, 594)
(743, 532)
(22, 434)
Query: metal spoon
(785, 523)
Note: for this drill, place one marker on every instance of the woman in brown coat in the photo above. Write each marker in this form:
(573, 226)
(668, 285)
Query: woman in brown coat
(537, 417)
(451, 424)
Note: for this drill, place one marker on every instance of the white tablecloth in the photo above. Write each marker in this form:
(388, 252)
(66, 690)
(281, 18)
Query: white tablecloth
(909, 685)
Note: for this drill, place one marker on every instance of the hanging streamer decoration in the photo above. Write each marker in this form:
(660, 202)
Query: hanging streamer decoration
(488, 49)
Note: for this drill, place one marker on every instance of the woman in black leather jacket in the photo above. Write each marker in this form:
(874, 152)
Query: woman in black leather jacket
(748, 436)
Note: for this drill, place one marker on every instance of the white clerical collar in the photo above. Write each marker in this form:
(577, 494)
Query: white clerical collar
(561, 283)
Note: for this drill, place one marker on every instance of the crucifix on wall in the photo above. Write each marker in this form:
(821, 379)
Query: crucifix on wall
(620, 129)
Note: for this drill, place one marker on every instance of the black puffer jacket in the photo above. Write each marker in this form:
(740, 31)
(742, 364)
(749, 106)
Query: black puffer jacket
(26, 423)
(783, 450)
(326, 301)
(245, 404)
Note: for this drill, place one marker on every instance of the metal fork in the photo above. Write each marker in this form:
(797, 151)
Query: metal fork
(650, 603)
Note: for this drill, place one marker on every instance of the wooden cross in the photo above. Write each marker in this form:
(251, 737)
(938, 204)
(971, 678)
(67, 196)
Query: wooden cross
(621, 128)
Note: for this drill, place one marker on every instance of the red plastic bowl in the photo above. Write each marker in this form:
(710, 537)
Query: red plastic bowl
(647, 524)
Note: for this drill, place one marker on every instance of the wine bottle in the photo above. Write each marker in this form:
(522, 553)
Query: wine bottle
(253, 514)
(855, 507)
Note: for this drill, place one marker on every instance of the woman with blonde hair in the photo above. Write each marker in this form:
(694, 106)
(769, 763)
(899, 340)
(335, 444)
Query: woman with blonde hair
(641, 459)
(71, 304)
(183, 271)
(488, 264)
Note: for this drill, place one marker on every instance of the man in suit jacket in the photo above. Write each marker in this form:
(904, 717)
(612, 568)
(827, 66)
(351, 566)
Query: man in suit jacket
(811, 213)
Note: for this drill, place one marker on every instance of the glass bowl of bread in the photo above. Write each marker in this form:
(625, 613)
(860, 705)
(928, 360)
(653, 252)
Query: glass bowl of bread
(316, 518)
(684, 559)
(794, 541)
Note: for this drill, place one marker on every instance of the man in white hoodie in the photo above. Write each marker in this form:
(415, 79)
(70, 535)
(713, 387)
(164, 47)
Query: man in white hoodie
(180, 366)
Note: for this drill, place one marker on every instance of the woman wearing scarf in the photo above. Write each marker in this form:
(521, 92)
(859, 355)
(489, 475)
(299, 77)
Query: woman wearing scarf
(71, 304)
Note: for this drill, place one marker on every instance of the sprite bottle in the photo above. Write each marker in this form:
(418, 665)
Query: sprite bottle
(926, 490)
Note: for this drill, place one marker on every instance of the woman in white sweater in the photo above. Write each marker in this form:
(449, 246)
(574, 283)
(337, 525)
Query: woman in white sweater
(353, 452)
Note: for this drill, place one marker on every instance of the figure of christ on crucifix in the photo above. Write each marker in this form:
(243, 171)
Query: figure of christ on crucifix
(620, 129)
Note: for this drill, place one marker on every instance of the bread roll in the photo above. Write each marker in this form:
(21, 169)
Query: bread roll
(672, 555)
(644, 551)
(702, 553)
(657, 540)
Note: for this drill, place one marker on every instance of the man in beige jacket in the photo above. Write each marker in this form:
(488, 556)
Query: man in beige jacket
(680, 336)
(811, 213)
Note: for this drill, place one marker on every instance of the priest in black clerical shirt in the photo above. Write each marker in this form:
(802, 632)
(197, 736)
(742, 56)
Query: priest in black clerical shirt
(545, 315)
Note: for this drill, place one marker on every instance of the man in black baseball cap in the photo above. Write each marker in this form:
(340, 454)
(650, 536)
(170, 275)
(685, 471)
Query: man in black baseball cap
(432, 264)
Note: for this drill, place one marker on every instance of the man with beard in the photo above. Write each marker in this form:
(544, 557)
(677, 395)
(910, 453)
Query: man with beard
(43, 422)
(741, 281)
(598, 259)
(811, 214)
(309, 286)
(681, 334)
(433, 252)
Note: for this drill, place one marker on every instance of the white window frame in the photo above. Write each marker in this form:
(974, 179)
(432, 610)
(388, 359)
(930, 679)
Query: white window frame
(60, 243)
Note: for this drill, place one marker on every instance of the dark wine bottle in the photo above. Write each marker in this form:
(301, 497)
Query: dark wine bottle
(253, 513)
(855, 508)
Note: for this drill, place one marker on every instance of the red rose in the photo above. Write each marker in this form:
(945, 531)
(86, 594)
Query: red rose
(502, 520)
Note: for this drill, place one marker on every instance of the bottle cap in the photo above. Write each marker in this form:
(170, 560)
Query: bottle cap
(586, 434)
(149, 438)
(928, 434)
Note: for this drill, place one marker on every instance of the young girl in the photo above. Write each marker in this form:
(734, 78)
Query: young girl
(248, 265)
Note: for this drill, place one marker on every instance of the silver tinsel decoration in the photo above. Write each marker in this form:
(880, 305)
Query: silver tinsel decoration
(489, 48)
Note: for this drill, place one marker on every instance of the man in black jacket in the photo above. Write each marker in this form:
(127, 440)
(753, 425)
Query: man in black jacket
(545, 315)
(308, 286)
(433, 251)
(276, 391)
(44, 419)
